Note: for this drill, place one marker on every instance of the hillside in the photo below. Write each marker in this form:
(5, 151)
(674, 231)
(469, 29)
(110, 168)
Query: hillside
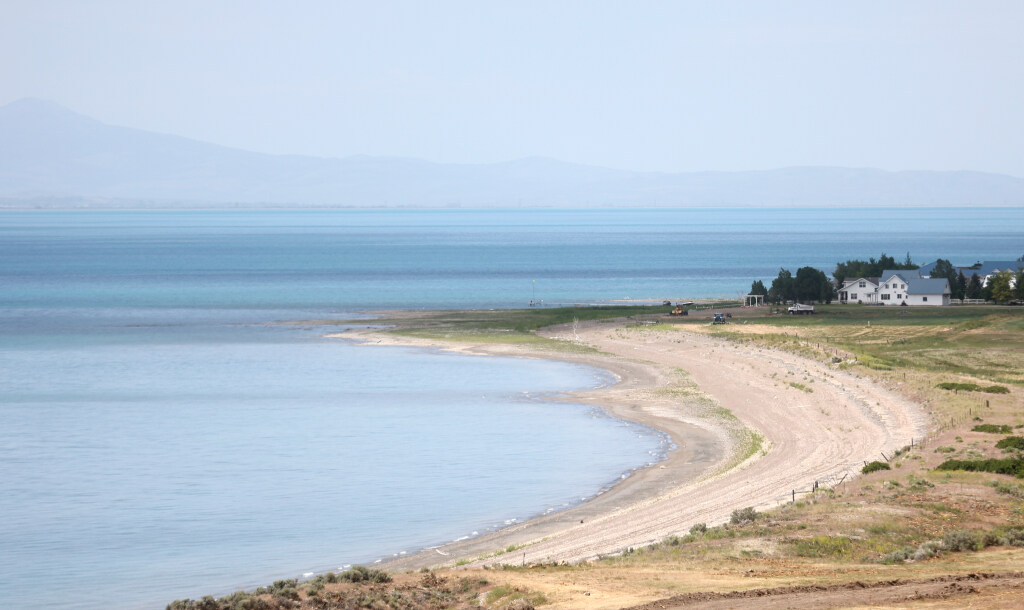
(53, 157)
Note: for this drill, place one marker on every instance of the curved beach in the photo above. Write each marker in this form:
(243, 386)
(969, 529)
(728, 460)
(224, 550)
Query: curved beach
(793, 422)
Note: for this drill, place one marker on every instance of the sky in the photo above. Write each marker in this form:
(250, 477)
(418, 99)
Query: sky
(672, 86)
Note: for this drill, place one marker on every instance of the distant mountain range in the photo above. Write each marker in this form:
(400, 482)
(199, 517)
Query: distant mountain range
(53, 157)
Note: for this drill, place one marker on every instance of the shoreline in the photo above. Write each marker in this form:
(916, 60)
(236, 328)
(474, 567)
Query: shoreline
(695, 448)
(706, 476)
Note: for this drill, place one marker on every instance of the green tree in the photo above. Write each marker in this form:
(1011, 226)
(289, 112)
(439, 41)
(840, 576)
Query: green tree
(869, 268)
(999, 285)
(960, 289)
(813, 285)
(782, 289)
(758, 288)
(1018, 284)
(945, 269)
(973, 287)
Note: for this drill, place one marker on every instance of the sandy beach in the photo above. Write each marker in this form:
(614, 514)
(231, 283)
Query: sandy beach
(793, 422)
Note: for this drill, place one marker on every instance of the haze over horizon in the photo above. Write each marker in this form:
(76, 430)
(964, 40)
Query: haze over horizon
(658, 86)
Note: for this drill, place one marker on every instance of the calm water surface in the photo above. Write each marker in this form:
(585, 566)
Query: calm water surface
(163, 438)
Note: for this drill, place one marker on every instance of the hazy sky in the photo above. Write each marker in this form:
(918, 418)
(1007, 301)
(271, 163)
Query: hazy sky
(672, 86)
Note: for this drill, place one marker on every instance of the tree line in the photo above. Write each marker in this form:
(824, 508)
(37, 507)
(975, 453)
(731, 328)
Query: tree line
(812, 285)
(808, 285)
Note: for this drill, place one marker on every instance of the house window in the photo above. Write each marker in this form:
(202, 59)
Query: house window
(862, 285)
(903, 286)
(924, 299)
(887, 285)
(885, 296)
(853, 295)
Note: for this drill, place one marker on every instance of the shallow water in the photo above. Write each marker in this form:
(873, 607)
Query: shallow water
(174, 461)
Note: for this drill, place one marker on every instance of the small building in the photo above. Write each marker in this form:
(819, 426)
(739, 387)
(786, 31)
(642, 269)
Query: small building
(929, 291)
(863, 290)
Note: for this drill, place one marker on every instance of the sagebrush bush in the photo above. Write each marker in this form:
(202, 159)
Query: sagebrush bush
(928, 550)
(898, 556)
(743, 515)
(1014, 537)
(960, 540)
(698, 529)
(364, 574)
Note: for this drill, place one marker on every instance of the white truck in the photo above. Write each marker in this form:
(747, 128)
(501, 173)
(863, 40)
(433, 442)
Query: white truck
(799, 309)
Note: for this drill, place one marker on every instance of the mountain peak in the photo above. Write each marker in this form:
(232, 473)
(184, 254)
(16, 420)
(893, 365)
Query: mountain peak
(30, 113)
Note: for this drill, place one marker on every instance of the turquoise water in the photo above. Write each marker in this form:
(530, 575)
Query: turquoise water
(163, 438)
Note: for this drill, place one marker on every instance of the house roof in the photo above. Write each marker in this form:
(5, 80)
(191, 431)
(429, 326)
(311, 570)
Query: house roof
(926, 269)
(935, 285)
(854, 280)
(905, 274)
(992, 267)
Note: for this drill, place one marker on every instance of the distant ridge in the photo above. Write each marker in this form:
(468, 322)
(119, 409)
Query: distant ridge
(53, 157)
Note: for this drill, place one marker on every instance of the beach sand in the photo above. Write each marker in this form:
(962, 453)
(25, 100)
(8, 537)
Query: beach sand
(805, 436)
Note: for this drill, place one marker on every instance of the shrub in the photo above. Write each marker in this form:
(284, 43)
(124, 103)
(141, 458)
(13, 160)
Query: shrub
(281, 585)
(699, 529)
(899, 555)
(1011, 466)
(945, 449)
(1014, 537)
(824, 546)
(928, 550)
(993, 428)
(954, 386)
(874, 467)
(919, 484)
(743, 515)
(1011, 490)
(1011, 442)
(288, 593)
(973, 387)
(960, 540)
(364, 574)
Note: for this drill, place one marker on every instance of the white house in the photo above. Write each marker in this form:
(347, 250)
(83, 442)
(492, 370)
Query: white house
(984, 270)
(899, 287)
(859, 290)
